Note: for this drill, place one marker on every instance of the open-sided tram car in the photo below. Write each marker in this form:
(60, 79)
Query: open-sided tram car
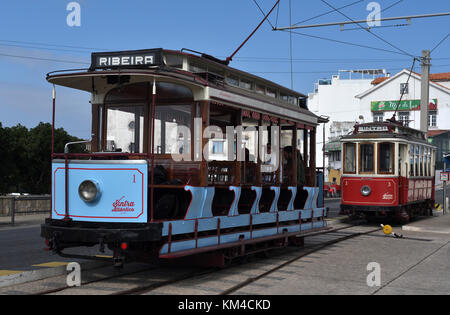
(388, 170)
(176, 167)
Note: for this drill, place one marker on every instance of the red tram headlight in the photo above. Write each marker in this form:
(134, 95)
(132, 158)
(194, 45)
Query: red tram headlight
(365, 191)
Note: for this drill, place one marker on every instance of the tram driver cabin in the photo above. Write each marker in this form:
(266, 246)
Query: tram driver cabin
(195, 98)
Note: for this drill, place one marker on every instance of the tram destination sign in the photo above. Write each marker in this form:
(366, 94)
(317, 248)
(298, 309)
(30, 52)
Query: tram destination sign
(126, 59)
(373, 129)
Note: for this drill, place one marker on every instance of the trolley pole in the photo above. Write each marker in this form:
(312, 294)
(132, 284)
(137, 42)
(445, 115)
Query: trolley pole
(425, 89)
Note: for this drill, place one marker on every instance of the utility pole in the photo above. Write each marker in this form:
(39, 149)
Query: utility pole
(425, 98)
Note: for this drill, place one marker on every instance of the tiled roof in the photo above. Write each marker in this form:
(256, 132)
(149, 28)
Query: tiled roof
(440, 76)
(379, 80)
(434, 133)
(436, 77)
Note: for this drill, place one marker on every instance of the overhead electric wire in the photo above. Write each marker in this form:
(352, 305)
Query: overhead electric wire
(330, 71)
(51, 45)
(439, 44)
(403, 91)
(43, 59)
(368, 30)
(392, 5)
(347, 43)
(328, 12)
(42, 48)
(260, 9)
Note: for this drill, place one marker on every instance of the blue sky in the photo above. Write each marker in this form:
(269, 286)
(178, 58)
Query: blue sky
(38, 29)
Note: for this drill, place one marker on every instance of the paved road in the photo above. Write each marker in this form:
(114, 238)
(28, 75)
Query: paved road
(21, 247)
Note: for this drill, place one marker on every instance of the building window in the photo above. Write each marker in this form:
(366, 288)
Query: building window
(378, 117)
(217, 147)
(404, 88)
(432, 118)
(404, 118)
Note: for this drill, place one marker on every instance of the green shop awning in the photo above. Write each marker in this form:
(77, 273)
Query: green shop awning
(332, 146)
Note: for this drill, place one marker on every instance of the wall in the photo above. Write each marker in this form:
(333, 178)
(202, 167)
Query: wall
(28, 206)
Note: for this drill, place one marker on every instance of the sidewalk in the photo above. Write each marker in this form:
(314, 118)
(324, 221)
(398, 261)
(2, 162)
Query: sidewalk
(21, 220)
(440, 225)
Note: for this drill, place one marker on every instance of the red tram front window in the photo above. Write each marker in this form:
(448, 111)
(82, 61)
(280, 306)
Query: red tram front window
(366, 158)
(386, 158)
(350, 158)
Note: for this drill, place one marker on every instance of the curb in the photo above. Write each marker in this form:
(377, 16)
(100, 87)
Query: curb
(424, 230)
(39, 274)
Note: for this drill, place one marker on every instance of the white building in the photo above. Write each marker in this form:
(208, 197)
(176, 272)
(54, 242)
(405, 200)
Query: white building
(335, 98)
(360, 100)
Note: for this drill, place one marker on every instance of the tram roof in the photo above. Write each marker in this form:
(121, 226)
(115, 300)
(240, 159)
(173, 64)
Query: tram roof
(207, 70)
(194, 71)
(385, 129)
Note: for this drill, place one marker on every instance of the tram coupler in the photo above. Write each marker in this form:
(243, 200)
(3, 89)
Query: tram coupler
(118, 260)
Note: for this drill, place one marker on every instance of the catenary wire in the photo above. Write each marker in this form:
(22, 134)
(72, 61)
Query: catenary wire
(370, 32)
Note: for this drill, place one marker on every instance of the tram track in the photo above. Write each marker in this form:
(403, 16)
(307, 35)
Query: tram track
(146, 289)
(170, 276)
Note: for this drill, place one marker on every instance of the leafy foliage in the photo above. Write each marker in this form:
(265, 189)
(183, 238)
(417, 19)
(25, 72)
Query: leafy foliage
(25, 157)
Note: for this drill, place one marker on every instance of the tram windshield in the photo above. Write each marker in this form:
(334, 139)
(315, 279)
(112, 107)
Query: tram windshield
(128, 111)
(125, 129)
(366, 158)
(386, 158)
(350, 158)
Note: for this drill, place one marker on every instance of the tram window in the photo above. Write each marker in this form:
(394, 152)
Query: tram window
(175, 61)
(292, 100)
(125, 129)
(232, 80)
(196, 67)
(172, 129)
(250, 139)
(416, 160)
(421, 161)
(260, 89)
(349, 158)
(386, 158)
(245, 84)
(271, 92)
(366, 158)
(411, 161)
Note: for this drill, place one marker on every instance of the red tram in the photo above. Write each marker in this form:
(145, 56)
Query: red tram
(388, 170)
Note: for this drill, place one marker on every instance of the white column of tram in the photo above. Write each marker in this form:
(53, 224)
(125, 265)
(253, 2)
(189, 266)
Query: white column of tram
(152, 150)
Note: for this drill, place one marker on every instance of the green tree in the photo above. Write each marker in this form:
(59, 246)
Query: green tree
(25, 161)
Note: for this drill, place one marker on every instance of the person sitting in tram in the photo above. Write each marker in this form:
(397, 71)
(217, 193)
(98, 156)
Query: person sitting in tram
(288, 160)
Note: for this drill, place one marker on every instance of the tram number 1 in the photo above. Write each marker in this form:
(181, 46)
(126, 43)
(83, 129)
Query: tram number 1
(134, 179)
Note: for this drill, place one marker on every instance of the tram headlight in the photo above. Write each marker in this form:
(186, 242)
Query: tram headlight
(365, 191)
(89, 191)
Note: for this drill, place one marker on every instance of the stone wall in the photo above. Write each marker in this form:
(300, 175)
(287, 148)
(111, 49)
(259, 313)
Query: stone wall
(25, 204)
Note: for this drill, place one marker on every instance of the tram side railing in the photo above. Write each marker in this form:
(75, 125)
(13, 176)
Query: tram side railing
(13, 206)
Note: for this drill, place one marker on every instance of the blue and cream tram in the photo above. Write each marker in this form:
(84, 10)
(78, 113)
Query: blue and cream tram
(189, 156)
